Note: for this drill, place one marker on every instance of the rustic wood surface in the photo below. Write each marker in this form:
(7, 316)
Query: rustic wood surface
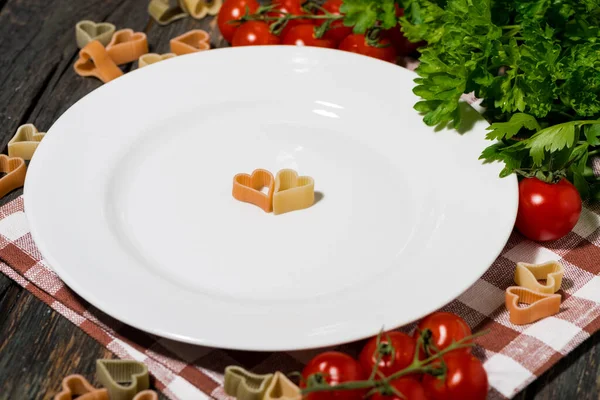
(37, 84)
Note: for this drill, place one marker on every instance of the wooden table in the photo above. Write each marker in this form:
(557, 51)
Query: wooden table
(37, 84)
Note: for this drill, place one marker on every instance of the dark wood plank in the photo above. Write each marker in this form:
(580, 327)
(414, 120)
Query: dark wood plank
(38, 48)
(40, 347)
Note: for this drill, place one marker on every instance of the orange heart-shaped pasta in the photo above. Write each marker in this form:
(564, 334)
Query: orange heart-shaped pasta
(15, 170)
(76, 386)
(94, 61)
(127, 46)
(247, 188)
(538, 305)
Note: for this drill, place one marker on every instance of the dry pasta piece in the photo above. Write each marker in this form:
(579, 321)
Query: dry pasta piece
(127, 46)
(538, 305)
(76, 386)
(152, 58)
(245, 385)
(281, 388)
(123, 378)
(527, 275)
(247, 188)
(25, 142)
(86, 31)
(95, 61)
(201, 8)
(190, 42)
(15, 170)
(292, 192)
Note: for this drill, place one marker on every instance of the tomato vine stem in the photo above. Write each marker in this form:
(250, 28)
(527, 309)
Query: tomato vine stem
(417, 366)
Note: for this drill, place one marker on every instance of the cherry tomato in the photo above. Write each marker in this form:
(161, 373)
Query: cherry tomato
(293, 7)
(410, 388)
(254, 33)
(335, 368)
(465, 379)
(357, 43)
(304, 35)
(233, 10)
(547, 211)
(403, 46)
(445, 328)
(337, 31)
(396, 354)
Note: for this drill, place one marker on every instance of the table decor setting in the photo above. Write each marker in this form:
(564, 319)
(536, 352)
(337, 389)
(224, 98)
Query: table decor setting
(341, 199)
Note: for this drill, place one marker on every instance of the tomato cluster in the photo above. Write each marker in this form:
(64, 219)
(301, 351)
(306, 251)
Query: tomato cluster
(390, 353)
(306, 31)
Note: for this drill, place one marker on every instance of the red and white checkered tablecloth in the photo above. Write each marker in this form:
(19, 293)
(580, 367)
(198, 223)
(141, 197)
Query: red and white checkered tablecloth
(513, 355)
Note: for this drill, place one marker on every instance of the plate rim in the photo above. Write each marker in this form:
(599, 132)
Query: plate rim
(47, 255)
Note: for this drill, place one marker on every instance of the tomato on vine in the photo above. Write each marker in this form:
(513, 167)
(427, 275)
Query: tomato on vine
(359, 43)
(393, 352)
(233, 10)
(292, 7)
(337, 31)
(465, 378)
(547, 211)
(410, 388)
(304, 35)
(445, 328)
(254, 33)
(334, 368)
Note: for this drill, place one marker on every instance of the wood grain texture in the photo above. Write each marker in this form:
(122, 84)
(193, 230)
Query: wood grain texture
(37, 84)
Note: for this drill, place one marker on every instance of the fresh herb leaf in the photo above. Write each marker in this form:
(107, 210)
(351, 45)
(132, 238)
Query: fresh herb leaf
(553, 138)
(583, 187)
(592, 134)
(506, 130)
(534, 64)
(366, 14)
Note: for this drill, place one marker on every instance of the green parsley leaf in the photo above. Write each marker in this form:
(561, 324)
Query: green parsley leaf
(361, 14)
(551, 139)
(506, 130)
(583, 187)
(366, 14)
(592, 134)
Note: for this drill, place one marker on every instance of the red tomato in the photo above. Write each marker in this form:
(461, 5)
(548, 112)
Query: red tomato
(335, 368)
(357, 43)
(254, 33)
(337, 31)
(465, 379)
(304, 35)
(445, 328)
(395, 355)
(410, 388)
(547, 211)
(233, 10)
(403, 46)
(293, 7)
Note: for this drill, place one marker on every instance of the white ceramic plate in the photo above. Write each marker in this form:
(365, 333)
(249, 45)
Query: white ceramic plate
(129, 200)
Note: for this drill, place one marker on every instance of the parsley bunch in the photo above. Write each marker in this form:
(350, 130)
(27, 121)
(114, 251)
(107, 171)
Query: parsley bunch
(364, 15)
(535, 64)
